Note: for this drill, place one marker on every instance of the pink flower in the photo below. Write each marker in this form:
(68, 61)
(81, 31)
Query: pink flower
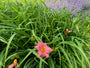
(14, 64)
(67, 31)
(43, 49)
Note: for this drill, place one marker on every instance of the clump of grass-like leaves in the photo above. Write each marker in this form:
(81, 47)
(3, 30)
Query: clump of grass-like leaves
(22, 25)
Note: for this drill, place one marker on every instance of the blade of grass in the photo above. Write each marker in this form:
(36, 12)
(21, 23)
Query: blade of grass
(8, 45)
(30, 51)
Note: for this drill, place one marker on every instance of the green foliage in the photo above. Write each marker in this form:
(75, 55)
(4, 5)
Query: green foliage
(22, 25)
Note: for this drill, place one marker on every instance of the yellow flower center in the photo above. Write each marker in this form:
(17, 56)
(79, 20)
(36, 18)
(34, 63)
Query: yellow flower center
(43, 49)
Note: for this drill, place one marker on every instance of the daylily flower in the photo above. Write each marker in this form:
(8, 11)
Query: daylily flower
(43, 49)
(67, 31)
(14, 64)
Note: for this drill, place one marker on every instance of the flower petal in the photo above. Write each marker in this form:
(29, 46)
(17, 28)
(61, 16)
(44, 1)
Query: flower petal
(48, 49)
(45, 44)
(10, 66)
(37, 47)
(39, 53)
(43, 55)
(39, 43)
(47, 55)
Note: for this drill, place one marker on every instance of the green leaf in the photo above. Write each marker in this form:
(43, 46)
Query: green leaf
(8, 45)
